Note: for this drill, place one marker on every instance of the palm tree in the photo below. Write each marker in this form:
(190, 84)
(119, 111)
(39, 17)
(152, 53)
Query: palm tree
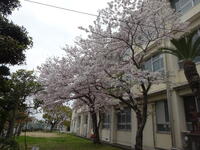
(187, 49)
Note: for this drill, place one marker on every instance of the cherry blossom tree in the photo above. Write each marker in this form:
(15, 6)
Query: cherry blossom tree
(122, 36)
(110, 62)
(71, 78)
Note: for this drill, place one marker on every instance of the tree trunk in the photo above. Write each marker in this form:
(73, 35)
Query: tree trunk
(96, 138)
(25, 138)
(141, 121)
(16, 129)
(139, 134)
(52, 126)
(192, 77)
(2, 126)
(11, 124)
(19, 129)
(4, 117)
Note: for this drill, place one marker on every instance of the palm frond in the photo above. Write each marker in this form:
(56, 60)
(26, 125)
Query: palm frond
(180, 45)
(169, 51)
(196, 46)
(185, 48)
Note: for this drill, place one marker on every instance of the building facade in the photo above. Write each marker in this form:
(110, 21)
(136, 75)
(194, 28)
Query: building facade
(170, 100)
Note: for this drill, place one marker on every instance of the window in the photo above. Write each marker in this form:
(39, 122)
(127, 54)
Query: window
(183, 6)
(79, 121)
(106, 121)
(155, 63)
(86, 119)
(124, 119)
(162, 116)
(192, 113)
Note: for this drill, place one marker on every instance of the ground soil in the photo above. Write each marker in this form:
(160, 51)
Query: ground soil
(41, 134)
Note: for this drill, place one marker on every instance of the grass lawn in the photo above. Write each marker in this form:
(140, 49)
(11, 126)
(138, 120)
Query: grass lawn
(62, 142)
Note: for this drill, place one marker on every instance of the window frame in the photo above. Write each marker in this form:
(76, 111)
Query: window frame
(183, 8)
(166, 123)
(124, 119)
(86, 119)
(79, 122)
(106, 121)
(151, 62)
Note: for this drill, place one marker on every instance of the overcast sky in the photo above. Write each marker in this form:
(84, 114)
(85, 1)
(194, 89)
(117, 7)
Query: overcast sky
(52, 28)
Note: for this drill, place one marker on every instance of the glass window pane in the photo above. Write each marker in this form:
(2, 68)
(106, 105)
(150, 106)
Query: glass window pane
(148, 65)
(177, 5)
(156, 57)
(106, 120)
(183, 2)
(160, 113)
(86, 119)
(166, 112)
(183, 5)
(186, 6)
(124, 119)
(174, 3)
(158, 63)
(162, 116)
(163, 127)
(119, 117)
(128, 118)
(128, 115)
(155, 63)
(196, 2)
(197, 59)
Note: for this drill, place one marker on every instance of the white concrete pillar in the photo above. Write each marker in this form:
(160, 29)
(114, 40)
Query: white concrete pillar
(82, 124)
(76, 129)
(89, 126)
(113, 126)
(85, 125)
(179, 118)
(133, 128)
(73, 119)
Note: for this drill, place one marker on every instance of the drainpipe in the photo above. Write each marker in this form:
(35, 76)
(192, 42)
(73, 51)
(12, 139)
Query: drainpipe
(169, 102)
(153, 123)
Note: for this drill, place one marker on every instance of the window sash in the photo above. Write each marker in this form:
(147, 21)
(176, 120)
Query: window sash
(106, 120)
(106, 125)
(162, 116)
(79, 121)
(183, 6)
(124, 119)
(155, 63)
(196, 2)
(86, 119)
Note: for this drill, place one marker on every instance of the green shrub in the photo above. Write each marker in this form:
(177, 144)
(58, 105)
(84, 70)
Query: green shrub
(8, 144)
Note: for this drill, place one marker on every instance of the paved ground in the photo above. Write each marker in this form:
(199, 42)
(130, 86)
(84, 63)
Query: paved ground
(41, 134)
